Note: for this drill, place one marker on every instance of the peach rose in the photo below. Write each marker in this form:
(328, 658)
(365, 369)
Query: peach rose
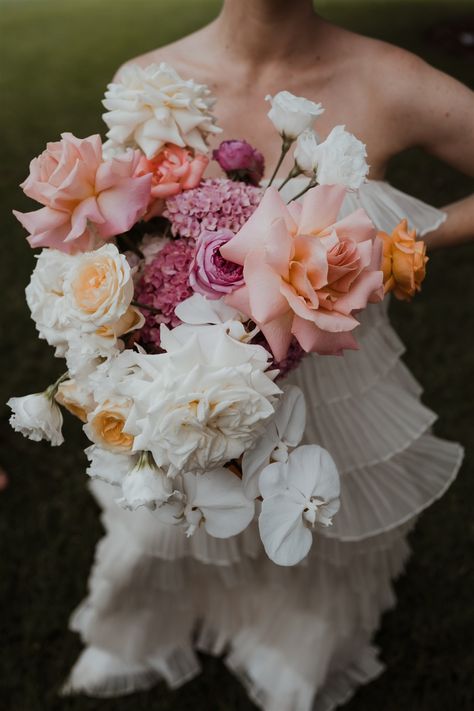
(76, 400)
(105, 427)
(99, 288)
(85, 198)
(404, 262)
(173, 170)
(305, 272)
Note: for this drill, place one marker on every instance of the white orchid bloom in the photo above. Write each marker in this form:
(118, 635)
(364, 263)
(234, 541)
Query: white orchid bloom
(297, 495)
(107, 466)
(216, 501)
(199, 311)
(284, 431)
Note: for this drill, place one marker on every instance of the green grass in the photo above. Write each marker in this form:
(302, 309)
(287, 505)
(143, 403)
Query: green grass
(56, 57)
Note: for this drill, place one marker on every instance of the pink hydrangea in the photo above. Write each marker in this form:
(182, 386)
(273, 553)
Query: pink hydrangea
(163, 285)
(216, 204)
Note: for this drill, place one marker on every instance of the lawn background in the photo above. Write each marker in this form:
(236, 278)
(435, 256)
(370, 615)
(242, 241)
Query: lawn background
(55, 59)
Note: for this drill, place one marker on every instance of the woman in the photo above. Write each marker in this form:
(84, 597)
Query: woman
(298, 639)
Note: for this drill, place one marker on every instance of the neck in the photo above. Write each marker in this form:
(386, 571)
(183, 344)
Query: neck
(258, 31)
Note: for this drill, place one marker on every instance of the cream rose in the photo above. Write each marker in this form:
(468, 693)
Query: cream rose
(147, 108)
(98, 288)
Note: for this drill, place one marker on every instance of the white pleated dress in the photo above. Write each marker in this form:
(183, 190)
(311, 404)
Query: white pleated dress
(299, 638)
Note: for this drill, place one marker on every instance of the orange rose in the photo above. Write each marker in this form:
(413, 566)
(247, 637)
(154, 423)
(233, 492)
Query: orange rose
(173, 170)
(404, 262)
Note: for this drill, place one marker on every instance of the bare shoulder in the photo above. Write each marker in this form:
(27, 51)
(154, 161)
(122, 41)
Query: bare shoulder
(175, 53)
(420, 104)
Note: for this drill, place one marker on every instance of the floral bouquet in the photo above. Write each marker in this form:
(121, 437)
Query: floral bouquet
(180, 302)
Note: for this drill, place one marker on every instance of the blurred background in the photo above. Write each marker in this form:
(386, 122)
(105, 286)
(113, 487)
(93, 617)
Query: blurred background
(56, 57)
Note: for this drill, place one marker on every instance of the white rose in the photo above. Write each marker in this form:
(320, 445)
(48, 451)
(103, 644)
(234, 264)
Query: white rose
(108, 466)
(149, 107)
(291, 115)
(37, 417)
(45, 298)
(341, 160)
(197, 406)
(98, 288)
(306, 152)
(297, 495)
(145, 485)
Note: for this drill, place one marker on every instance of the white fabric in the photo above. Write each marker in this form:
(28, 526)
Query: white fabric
(299, 639)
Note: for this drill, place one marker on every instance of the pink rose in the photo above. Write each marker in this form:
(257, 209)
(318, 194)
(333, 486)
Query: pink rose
(173, 170)
(211, 274)
(305, 272)
(240, 161)
(85, 198)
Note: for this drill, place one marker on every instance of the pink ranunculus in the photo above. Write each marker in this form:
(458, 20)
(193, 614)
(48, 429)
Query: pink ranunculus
(173, 170)
(211, 274)
(306, 272)
(240, 161)
(85, 198)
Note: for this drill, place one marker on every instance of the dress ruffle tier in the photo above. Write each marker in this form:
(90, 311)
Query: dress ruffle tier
(299, 639)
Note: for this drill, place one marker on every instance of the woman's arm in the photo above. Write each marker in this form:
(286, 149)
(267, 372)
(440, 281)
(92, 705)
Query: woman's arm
(437, 114)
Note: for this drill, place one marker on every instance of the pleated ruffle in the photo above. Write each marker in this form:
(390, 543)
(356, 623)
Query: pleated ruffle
(385, 205)
(326, 615)
(298, 638)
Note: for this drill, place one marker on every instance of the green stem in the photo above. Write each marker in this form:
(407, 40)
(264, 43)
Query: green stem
(294, 172)
(284, 150)
(312, 183)
(51, 391)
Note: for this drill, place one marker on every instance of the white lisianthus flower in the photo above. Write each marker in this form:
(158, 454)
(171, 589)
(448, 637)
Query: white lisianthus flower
(147, 108)
(341, 160)
(216, 501)
(282, 432)
(306, 152)
(195, 407)
(297, 495)
(145, 485)
(37, 417)
(110, 467)
(291, 115)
